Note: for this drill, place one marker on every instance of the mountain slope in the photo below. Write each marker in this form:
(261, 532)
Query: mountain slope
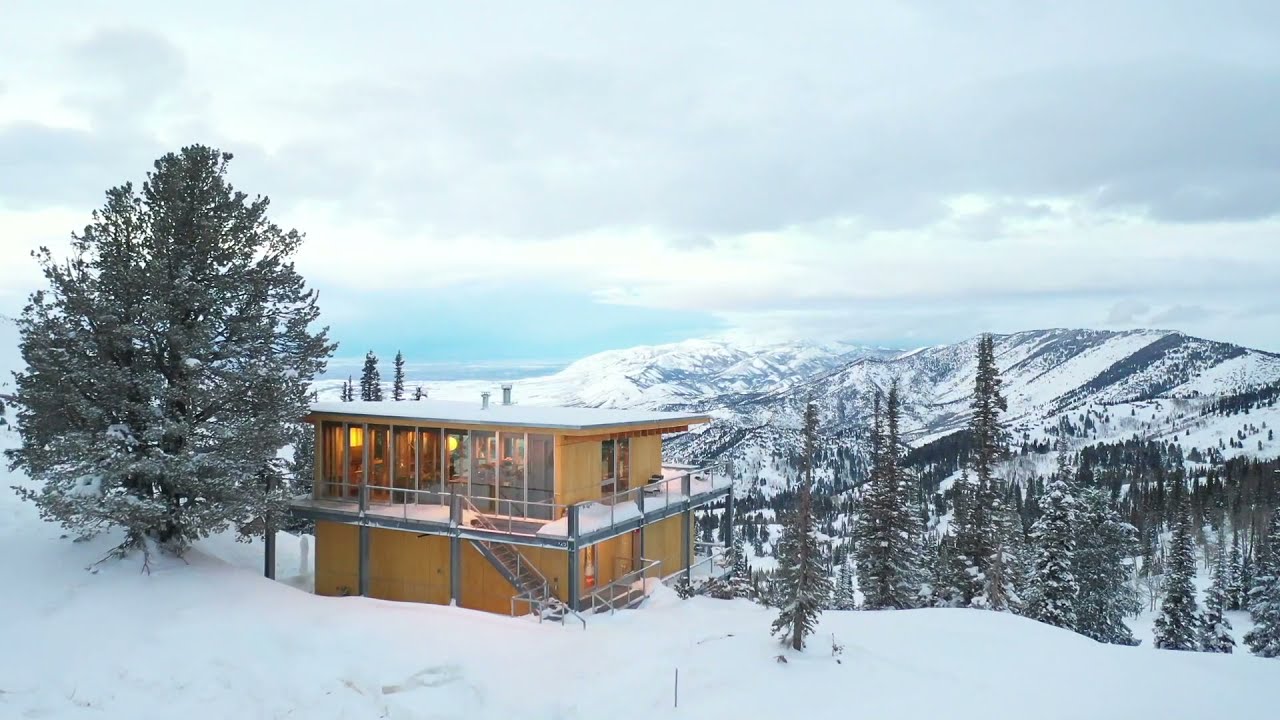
(1046, 373)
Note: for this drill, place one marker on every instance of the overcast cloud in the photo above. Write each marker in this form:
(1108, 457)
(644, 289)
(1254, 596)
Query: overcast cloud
(899, 173)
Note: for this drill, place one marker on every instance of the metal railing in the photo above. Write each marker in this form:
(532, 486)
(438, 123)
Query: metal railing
(527, 517)
(708, 565)
(658, 493)
(605, 595)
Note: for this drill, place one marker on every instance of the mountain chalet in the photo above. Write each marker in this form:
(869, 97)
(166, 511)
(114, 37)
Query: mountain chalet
(506, 508)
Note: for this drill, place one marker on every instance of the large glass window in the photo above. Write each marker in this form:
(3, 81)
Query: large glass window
(355, 460)
(379, 464)
(542, 476)
(608, 483)
(331, 446)
(457, 460)
(429, 459)
(483, 469)
(406, 455)
(511, 467)
(623, 468)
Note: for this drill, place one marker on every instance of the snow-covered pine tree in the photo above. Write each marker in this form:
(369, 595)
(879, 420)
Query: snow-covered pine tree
(370, 380)
(962, 579)
(1215, 628)
(1054, 588)
(1177, 627)
(979, 543)
(418, 394)
(1103, 543)
(843, 597)
(801, 585)
(1236, 592)
(1009, 566)
(737, 583)
(348, 391)
(397, 378)
(1264, 596)
(302, 474)
(167, 362)
(889, 573)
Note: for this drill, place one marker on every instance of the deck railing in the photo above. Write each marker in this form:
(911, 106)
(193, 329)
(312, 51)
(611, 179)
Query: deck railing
(608, 595)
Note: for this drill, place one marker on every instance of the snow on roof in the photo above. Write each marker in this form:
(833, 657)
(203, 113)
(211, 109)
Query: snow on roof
(541, 416)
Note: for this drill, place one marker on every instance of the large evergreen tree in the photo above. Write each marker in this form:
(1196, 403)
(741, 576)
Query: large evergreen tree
(888, 550)
(167, 362)
(370, 380)
(802, 587)
(1264, 596)
(1055, 590)
(981, 549)
(397, 378)
(1215, 628)
(1177, 627)
(1103, 543)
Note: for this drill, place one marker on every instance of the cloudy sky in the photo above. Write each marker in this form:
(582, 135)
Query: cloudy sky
(536, 181)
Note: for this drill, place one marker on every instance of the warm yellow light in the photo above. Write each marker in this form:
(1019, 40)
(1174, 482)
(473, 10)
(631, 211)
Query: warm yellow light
(356, 437)
(453, 443)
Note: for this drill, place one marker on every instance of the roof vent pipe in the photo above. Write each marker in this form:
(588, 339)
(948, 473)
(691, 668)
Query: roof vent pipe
(484, 400)
(506, 393)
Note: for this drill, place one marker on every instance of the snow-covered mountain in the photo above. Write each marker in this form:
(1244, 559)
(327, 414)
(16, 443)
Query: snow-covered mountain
(656, 376)
(1113, 376)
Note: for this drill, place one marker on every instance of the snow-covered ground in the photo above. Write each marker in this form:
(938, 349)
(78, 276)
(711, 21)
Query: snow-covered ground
(210, 638)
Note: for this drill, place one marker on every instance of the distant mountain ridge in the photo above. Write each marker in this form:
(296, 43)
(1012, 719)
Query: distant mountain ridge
(1045, 373)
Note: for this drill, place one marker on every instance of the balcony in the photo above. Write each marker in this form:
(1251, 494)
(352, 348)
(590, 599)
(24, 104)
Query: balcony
(518, 522)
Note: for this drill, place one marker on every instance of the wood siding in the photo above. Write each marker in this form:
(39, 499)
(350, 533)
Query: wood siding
(663, 541)
(577, 470)
(337, 559)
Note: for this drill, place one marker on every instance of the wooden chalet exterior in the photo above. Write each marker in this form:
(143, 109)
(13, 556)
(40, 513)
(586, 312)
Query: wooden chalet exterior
(500, 507)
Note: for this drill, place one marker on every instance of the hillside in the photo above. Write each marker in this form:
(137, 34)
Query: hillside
(1144, 382)
(210, 638)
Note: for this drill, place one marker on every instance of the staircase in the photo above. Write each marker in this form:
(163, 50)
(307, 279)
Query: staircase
(531, 586)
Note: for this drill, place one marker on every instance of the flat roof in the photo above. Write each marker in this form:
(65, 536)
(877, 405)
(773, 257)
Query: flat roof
(446, 412)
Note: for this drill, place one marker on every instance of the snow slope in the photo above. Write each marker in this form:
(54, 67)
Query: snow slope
(210, 638)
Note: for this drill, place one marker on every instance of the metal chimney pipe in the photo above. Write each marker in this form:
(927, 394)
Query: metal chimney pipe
(484, 400)
(506, 393)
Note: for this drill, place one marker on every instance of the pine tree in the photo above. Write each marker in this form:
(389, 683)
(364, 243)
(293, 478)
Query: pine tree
(418, 394)
(167, 362)
(1055, 590)
(963, 579)
(397, 379)
(980, 543)
(348, 391)
(1103, 543)
(889, 572)
(739, 580)
(370, 380)
(1215, 628)
(1264, 596)
(1177, 627)
(803, 587)
(843, 598)
(1236, 591)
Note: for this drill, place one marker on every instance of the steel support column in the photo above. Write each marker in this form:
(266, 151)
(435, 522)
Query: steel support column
(455, 551)
(364, 560)
(572, 585)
